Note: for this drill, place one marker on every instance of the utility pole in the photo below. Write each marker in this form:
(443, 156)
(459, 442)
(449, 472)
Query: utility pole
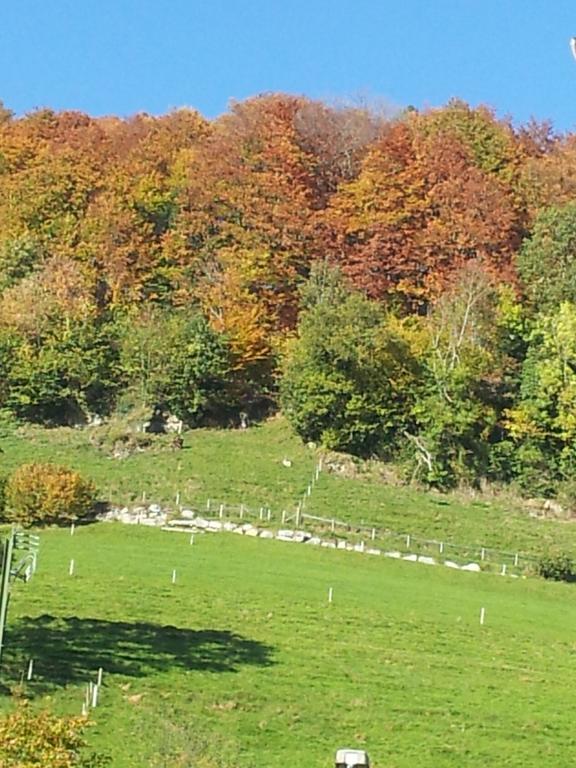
(7, 551)
(22, 568)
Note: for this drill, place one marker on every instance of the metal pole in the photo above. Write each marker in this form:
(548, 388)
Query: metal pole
(5, 585)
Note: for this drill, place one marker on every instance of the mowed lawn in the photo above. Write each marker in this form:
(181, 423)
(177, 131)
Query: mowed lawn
(243, 662)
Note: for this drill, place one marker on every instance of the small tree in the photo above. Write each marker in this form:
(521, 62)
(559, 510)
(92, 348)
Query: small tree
(48, 494)
(30, 739)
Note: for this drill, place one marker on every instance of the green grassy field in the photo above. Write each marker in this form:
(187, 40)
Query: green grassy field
(246, 467)
(243, 662)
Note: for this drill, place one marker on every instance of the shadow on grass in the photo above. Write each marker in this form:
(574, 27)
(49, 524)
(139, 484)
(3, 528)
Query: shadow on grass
(70, 650)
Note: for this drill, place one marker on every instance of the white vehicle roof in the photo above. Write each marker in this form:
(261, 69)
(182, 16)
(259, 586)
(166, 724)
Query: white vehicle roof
(350, 757)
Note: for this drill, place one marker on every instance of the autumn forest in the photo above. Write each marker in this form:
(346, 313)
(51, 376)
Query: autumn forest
(400, 287)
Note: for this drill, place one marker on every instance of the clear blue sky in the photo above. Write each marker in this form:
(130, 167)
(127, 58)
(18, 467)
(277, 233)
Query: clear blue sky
(125, 56)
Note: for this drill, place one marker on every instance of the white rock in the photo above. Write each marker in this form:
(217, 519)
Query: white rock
(471, 567)
(316, 540)
(214, 525)
(342, 545)
(359, 547)
(200, 522)
(450, 564)
(411, 558)
(266, 534)
(426, 560)
(373, 552)
(155, 509)
(251, 532)
(188, 514)
(328, 544)
(285, 532)
(396, 555)
(248, 527)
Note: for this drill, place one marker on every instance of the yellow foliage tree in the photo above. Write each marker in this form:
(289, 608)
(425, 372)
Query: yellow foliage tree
(46, 493)
(43, 740)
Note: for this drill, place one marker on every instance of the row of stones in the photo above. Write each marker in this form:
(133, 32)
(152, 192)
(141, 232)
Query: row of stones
(154, 516)
(199, 524)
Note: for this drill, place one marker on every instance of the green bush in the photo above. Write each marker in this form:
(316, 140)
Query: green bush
(556, 566)
(47, 494)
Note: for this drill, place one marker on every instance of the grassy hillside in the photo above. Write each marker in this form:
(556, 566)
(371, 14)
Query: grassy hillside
(242, 661)
(246, 467)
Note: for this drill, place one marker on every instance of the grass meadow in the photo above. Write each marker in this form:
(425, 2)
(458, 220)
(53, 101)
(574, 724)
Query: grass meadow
(242, 661)
(235, 466)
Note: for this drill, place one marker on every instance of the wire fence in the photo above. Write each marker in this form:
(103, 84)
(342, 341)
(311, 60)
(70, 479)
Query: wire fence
(372, 535)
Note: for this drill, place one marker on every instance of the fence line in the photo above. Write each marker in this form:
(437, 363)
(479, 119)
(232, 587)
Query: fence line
(374, 534)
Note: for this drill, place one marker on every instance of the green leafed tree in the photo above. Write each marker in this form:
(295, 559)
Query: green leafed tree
(349, 377)
(63, 375)
(543, 421)
(547, 260)
(466, 382)
(176, 361)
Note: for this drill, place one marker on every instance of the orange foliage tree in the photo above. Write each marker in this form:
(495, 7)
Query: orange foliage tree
(428, 198)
